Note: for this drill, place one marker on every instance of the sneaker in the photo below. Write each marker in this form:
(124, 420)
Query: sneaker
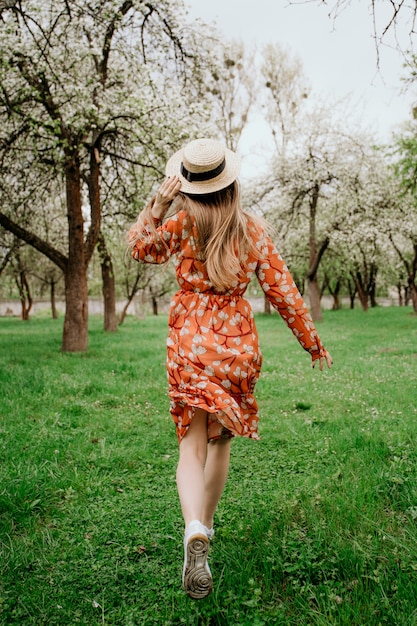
(196, 575)
(209, 532)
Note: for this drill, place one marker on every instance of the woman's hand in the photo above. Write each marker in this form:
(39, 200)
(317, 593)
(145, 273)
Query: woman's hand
(169, 189)
(324, 359)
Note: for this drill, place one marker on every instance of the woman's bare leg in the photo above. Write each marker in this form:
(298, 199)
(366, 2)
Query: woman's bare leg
(215, 476)
(190, 470)
(196, 575)
(202, 471)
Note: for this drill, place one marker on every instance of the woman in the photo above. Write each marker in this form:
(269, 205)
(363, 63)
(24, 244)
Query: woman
(213, 355)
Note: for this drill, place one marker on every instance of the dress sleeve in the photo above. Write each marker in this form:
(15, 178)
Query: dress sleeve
(157, 244)
(280, 289)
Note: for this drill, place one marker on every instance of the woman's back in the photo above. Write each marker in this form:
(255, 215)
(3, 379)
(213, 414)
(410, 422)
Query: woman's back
(213, 353)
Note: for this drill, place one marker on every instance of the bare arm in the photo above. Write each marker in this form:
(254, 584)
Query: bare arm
(167, 192)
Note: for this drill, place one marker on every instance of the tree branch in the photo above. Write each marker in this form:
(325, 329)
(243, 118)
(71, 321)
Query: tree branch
(398, 7)
(7, 4)
(7, 258)
(120, 13)
(313, 269)
(36, 242)
(40, 84)
(95, 203)
(400, 254)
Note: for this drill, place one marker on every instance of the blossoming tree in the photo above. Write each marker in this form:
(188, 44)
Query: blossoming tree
(92, 96)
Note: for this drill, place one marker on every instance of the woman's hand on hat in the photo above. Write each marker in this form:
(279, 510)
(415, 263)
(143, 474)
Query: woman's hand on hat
(324, 359)
(167, 192)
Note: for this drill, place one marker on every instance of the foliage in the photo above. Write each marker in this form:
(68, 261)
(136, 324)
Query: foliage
(87, 101)
(313, 185)
(403, 233)
(100, 77)
(121, 84)
(332, 193)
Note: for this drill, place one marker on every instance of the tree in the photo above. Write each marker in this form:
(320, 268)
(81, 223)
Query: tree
(409, 263)
(403, 231)
(334, 272)
(134, 283)
(286, 93)
(311, 179)
(364, 272)
(108, 283)
(20, 271)
(281, 103)
(321, 188)
(376, 213)
(233, 88)
(31, 273)
(51, 279)
(160, 286)
(84, 86)
(7, 249)
(393, 21)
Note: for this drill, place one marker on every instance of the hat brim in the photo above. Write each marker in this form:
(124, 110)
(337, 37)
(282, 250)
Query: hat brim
(223, 180)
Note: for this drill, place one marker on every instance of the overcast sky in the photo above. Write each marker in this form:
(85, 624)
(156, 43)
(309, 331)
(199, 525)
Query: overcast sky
(338, 56)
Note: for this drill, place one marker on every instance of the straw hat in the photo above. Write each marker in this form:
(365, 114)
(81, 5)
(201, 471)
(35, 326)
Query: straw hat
(204, 166)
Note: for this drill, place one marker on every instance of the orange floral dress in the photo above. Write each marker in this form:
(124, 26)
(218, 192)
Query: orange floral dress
(213, 354)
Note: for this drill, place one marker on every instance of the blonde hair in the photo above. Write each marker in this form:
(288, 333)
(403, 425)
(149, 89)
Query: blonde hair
(223, 237)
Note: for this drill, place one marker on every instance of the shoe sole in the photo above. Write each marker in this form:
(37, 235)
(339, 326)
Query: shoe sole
(197, 578)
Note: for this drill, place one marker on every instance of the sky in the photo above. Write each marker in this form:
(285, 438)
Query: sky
(338, 55)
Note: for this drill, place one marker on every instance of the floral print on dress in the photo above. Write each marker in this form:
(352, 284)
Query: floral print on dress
(213, 354)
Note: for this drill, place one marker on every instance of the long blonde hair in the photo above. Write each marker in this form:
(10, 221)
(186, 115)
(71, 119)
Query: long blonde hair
(223, 236)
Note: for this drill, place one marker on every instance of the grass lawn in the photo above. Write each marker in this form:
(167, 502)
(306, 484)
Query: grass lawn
(318, 522)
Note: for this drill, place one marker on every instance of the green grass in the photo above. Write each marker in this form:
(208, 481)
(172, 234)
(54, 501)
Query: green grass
(318, 523)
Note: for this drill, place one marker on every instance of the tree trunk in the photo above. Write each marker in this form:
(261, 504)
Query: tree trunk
(109, 290)
(131, 294)
(365, 282)
(352, 293)
(335, 295)
(362, 291)
(413, 290)
(316, 254)
(324, 285)
(53, 300)
(124, 312)
(25, 295)
(109, 296)
(154, 305)
(407, 295)
(75, 333)
(6, 259)
(372, 285)
(412, 278)
(313, 292)
(336, 306)
(267, 306)
(400, 294)
(363, 299)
